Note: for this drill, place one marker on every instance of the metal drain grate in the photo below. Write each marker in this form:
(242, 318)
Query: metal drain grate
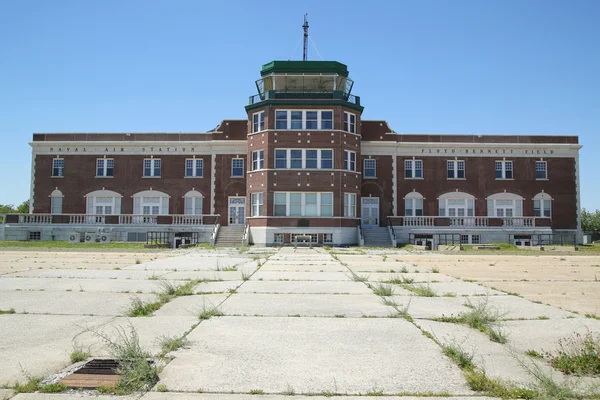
(99, 367)
(94, 374)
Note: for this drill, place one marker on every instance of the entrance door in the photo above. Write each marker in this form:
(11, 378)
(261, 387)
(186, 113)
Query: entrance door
(237, 211)
(370, 212)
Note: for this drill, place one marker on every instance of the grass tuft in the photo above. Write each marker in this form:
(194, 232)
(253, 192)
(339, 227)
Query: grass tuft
(421, 290)
(534, 354)
(169, 344)
(140, 308)
(383, 290)
(9, 311)
(359, 278)
(461, 357)
(53, 388)
(208, 311)
(79, 354)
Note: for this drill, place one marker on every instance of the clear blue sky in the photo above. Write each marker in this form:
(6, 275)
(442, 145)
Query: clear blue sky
(484, 66)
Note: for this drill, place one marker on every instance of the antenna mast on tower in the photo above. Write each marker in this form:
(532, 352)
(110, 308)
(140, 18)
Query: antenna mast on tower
(305, 26)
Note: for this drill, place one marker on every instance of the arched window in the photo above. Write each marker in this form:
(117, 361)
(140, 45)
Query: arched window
(457, 204)
(151, 202)
(103, 202)
(56, 202)
(505, 205)
(542, 205)
(193, 203)
(413, 204)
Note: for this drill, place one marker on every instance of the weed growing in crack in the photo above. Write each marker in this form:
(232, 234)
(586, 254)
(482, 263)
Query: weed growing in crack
(79, 354)
(208, 311)
(421, 290)
(577, 355)
(140, 308)
(534, 354)
(169, 344)
(383, 290)
(462, 358)
(359, 278)
(496, 335)
(9, 311)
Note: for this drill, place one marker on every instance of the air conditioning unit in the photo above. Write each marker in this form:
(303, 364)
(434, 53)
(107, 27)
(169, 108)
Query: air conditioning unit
(90, 237)
(100, 231)
(104, 238)
(75, 237)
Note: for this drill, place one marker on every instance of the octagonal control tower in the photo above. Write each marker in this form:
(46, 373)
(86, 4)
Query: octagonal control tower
(304, 151)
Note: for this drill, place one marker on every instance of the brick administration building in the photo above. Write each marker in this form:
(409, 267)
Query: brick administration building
(305, 163)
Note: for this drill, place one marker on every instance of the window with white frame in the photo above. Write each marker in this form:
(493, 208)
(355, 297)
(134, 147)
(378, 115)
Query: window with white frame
(257, 204)
(192, 203)
(350, 205)
(349, 122)
(327, 238)
(237, 167)
(151, 167)
(151, 202)
(58, 167)
(413, 169)
(303, 119)
(504, 170)
(456, 169)
(349, 160)
(194, 167)
(505, 205)
(303, 159)
(541, 170)
(258, 160)
(56, 202)
(413, 205)
(301, 204)
(295, 236)
(278, 238)
(105, 167)
(103, 202)
(542, 205)
(258, 122)
(456, 204)
(369, 168)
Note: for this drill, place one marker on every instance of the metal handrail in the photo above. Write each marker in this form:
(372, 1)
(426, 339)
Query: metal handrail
(391, 227)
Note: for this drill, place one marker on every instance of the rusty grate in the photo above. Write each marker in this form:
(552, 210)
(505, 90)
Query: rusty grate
(95, 373)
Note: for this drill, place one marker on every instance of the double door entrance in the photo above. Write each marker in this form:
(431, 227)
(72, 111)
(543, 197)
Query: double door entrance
(237, 210)
(370, 212)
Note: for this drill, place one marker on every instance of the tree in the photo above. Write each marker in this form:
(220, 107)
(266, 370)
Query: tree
(23, 207)
(590, 222)
(7, 209)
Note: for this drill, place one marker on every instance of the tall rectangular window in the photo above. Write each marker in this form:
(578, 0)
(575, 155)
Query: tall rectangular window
(303, 119)
(542, 208)
(312, 120)
(349, 122)
(326, 159)
(541, 170)
(257, 204)
(326, 119)
(296, 122)
(311, 159)
(326, 204)
(504, 170)
(349, 205)
(281, 158)
(311, 205)
(413, 169)
(281, 120)
(258, 160)
(56, 204)
(237, 167)
(194, 167)
(295, 204)
(152, 167)
(295, 159)
(58, 167)
(349, 160)
(369, 168)
(456, 169)
(105, 167)
(258, 122)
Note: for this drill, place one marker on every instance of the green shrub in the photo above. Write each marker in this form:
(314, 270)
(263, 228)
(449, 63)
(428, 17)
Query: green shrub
(578, 355)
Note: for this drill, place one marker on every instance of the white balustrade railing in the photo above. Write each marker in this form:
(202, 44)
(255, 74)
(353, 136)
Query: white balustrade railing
(418, 221)
(87, 219)
(469, 221)
(35, 218)
(521, 222)
(138, 219)
(187, 220)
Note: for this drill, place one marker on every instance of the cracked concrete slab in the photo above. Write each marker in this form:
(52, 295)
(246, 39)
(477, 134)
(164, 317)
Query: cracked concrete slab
(197, 262)
(206, 275)
(416, 277)
(89, 274)
(342, 355)
(75, 303)
(331, 287)
(431, 307)
(517, 307)
(299, 267)
(216, 287)
(191, 305)
(311, 305)
(236, 396)
(462, 289)
(85, 285)
(300, 276)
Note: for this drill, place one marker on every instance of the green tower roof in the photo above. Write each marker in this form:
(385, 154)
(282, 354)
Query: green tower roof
(305, 67)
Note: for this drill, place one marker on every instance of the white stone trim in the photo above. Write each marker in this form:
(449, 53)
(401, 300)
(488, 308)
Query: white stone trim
(504, 196)
(103, 193)
(213, 179)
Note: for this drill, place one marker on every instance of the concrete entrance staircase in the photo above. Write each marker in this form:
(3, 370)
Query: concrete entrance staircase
(230, 236)
(377, 237)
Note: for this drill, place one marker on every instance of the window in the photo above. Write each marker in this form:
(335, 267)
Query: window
(542, 205)
(192, 203)
(349, 205)
(37, 235)
(413, 205)
(541, 170)
(349, 160)
(58, 167)
(258, 122)
(103, 202)
(152, 167)
(298, 204)
(456, 169)
(278, 238)
(327, 238)
(313, 237)
(105, 167)
(505, 205)
(303, 119)
(349, 122)
(303, 159)
(56, 201)
(369, 165)
(257, 204)
(504, 170)
(464, 239)
(237, 167)
(456, 204)
(194, 167)
(258, 160)
(413, 169)
(151, 202)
